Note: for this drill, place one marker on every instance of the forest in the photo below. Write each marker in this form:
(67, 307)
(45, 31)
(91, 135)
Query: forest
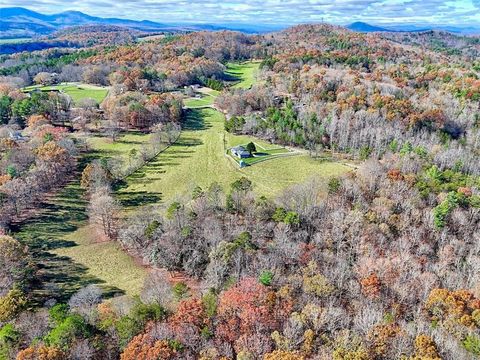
(127, 233)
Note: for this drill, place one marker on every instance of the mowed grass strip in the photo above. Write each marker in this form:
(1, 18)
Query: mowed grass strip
(204, 101)
(244, 73)
(76, 91)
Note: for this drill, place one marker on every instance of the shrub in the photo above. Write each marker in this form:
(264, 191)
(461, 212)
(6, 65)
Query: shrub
(126, 329)
(292, 218)
(266, 278)
(173, 209)
(472, 344)
(314, 282)
(334, 185)
(180, 290)
(365, 152)
(146, 312)
(151, 228)
(441, 211)
(279, 214)
(11, 304)
(58, 313)
(63, 335)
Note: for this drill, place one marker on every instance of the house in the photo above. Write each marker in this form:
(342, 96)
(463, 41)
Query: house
(240, 152)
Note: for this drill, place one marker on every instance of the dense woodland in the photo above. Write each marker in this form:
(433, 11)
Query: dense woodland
(382, 263)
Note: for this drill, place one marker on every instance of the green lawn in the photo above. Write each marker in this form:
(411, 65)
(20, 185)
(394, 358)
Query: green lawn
(105, 147)
(205, 100)
(76, 91)
(243, 73)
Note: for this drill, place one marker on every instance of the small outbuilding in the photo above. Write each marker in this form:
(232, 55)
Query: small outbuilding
(240, 152)
(15, 135)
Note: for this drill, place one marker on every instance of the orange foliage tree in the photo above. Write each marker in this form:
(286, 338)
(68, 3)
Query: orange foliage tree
(247, 307)
(145, 347)
(41, 353)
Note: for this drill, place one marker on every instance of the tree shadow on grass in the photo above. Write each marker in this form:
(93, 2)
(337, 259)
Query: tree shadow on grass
(133, 199)
(57, 277)
(232, 76)
(195, 120)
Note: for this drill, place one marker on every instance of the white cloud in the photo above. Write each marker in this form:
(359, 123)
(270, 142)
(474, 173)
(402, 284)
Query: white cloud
(455, 12)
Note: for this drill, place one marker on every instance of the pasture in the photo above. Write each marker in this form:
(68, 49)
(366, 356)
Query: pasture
(122, 147)
(70, 254)
(76, 91)
(242, 74)
(198, 158)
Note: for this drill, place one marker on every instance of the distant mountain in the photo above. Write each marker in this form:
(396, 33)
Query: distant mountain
(20, 22)
(364, 27)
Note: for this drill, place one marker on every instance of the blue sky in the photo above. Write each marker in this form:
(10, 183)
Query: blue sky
(284, 12)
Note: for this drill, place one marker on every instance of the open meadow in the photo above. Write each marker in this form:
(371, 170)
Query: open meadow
(243, 73)
(76, 91)
(198, 158)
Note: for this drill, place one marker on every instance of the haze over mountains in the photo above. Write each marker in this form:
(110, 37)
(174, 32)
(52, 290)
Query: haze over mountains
(22, 22)
(18, 22)
(365, 27)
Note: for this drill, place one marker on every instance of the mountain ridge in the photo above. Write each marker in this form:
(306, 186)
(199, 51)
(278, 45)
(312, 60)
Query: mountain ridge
(361, 26)
(23, 22)
(16, 22)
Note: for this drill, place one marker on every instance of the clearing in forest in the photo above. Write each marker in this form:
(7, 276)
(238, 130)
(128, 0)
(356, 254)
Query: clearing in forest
(76, 91)
(199, 158)
(70, 254)
(243, 73)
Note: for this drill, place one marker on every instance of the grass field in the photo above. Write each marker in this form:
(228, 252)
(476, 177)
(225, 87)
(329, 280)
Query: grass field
(105, 147)
(68, 253)
(205, 100)
(198, 158)
(76, 91)
(243, 74)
